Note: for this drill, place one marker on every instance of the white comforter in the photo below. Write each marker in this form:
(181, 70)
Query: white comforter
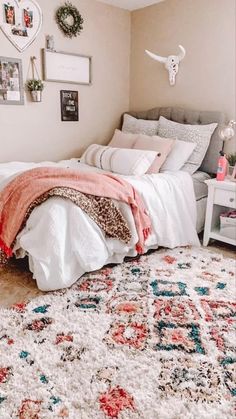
(63, 243)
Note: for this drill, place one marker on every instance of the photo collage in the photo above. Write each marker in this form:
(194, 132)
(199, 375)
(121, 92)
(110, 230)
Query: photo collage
(20, 29)
(9, 81)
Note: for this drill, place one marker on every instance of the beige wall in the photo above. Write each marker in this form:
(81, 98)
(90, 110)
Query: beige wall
(206, 80)
(35, 131)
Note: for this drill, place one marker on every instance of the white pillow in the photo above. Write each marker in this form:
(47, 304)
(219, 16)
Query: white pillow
(123, 140)
(178, 155)
(199, 134)
(118, 160)
(139, 126)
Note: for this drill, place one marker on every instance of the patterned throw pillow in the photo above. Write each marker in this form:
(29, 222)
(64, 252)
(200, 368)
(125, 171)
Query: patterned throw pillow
(139, 126)
(199, 134)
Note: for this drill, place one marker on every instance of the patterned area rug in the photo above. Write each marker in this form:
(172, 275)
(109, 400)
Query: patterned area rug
(149, 339)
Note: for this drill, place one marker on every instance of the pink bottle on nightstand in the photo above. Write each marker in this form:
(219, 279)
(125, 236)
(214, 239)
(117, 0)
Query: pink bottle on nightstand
(222, 167)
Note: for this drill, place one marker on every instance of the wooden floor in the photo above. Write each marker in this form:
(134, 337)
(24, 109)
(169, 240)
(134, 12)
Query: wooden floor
(17, 284)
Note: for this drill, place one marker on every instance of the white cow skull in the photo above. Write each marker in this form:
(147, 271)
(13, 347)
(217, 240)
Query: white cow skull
(171, 62)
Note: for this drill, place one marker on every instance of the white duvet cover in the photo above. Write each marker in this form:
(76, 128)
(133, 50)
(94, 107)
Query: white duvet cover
(62, 242)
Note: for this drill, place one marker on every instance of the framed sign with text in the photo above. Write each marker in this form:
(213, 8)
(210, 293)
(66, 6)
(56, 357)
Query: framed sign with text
(66, 68)
(69, 105)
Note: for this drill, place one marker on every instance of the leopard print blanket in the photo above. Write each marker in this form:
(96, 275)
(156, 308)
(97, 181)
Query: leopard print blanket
(102, 211)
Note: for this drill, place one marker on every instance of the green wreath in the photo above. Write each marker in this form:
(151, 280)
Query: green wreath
(69, 11)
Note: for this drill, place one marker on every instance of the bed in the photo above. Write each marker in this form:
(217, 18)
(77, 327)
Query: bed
(62, 242)
(209, 164)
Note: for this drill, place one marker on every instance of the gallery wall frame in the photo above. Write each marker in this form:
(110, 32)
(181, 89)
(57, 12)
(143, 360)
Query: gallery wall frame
(20, 21)
(64, 67)
(69, 105)
(11, 81)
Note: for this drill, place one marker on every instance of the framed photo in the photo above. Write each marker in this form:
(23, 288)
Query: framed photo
(69, 105)
(11, 81)
(67, 68)
(9, 14)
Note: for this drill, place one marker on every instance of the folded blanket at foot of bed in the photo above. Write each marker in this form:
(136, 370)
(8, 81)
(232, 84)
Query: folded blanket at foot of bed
(101, 210)
(93, 193)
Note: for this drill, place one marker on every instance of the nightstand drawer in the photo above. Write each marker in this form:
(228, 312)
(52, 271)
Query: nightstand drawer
(225, 198)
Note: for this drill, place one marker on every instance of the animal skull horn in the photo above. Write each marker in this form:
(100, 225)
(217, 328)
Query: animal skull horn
(156, 57)
(182, 53)
(171, 62)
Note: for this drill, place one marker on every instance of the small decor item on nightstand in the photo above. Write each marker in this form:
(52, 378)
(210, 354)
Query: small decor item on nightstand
(69, 20)
(232, 162)
(228, 224)
(226, 132)
(35, 85)
(233, 177)
(222, 167)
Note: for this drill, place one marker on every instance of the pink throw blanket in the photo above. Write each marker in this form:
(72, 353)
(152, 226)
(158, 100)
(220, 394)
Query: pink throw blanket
(17, 196)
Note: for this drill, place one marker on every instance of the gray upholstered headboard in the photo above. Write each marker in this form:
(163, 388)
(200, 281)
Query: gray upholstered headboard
(186, 116)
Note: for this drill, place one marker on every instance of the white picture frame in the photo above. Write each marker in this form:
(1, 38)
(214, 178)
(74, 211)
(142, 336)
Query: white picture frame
(64, 67)
(20, 21)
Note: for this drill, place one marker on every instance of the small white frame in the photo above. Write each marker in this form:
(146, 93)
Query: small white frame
(64, 67)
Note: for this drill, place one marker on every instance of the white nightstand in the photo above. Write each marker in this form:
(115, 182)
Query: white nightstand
(221, 197)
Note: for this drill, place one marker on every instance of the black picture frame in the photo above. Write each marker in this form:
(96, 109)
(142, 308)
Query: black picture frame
(69, 105)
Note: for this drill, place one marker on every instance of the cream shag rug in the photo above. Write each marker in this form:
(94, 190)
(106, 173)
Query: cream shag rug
(148, 339)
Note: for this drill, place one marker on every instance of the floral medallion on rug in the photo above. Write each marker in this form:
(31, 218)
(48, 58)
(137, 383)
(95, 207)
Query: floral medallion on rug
(152, 338)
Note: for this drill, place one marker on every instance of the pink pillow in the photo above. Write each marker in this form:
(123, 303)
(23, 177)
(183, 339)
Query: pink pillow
(123, 140)
(162, 146)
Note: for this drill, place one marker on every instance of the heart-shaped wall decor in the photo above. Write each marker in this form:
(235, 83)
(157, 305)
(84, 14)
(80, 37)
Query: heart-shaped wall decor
(20, 21)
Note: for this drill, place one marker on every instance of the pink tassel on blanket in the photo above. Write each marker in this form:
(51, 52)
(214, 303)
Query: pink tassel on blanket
(146, 233)
(139, 249)
(7, 250)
